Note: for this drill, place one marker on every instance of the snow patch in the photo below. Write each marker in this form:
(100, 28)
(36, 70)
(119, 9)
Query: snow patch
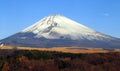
(55, 26)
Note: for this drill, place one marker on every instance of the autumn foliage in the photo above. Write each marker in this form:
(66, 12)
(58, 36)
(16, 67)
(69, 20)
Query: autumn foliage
(26, 60)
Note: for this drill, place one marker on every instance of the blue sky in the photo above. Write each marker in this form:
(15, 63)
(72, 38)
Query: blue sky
(100, 15)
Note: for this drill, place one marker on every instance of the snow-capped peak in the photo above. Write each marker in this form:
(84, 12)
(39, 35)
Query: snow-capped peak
(58, 26)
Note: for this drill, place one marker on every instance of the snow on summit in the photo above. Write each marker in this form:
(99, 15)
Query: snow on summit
(58, 26)
(59, 31)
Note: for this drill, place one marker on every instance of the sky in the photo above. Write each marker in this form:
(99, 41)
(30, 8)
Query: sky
(100, 15)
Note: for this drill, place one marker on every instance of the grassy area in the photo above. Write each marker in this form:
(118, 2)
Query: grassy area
(64, 49)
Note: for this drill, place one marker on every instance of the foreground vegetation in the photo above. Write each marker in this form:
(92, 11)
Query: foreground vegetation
(32, 60)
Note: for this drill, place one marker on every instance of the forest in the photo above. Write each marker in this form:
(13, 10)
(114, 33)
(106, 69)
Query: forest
(33, 60)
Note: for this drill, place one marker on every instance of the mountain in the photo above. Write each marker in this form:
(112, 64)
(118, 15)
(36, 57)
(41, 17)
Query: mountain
(57, 30)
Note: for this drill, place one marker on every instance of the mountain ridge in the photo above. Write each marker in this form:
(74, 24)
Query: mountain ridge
(57, 30)
(52, 24)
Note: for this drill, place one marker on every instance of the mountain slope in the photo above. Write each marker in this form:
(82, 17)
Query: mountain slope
(57, 26)
(57, 30)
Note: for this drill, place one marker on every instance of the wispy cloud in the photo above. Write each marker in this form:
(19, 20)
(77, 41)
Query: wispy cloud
(106, 14)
